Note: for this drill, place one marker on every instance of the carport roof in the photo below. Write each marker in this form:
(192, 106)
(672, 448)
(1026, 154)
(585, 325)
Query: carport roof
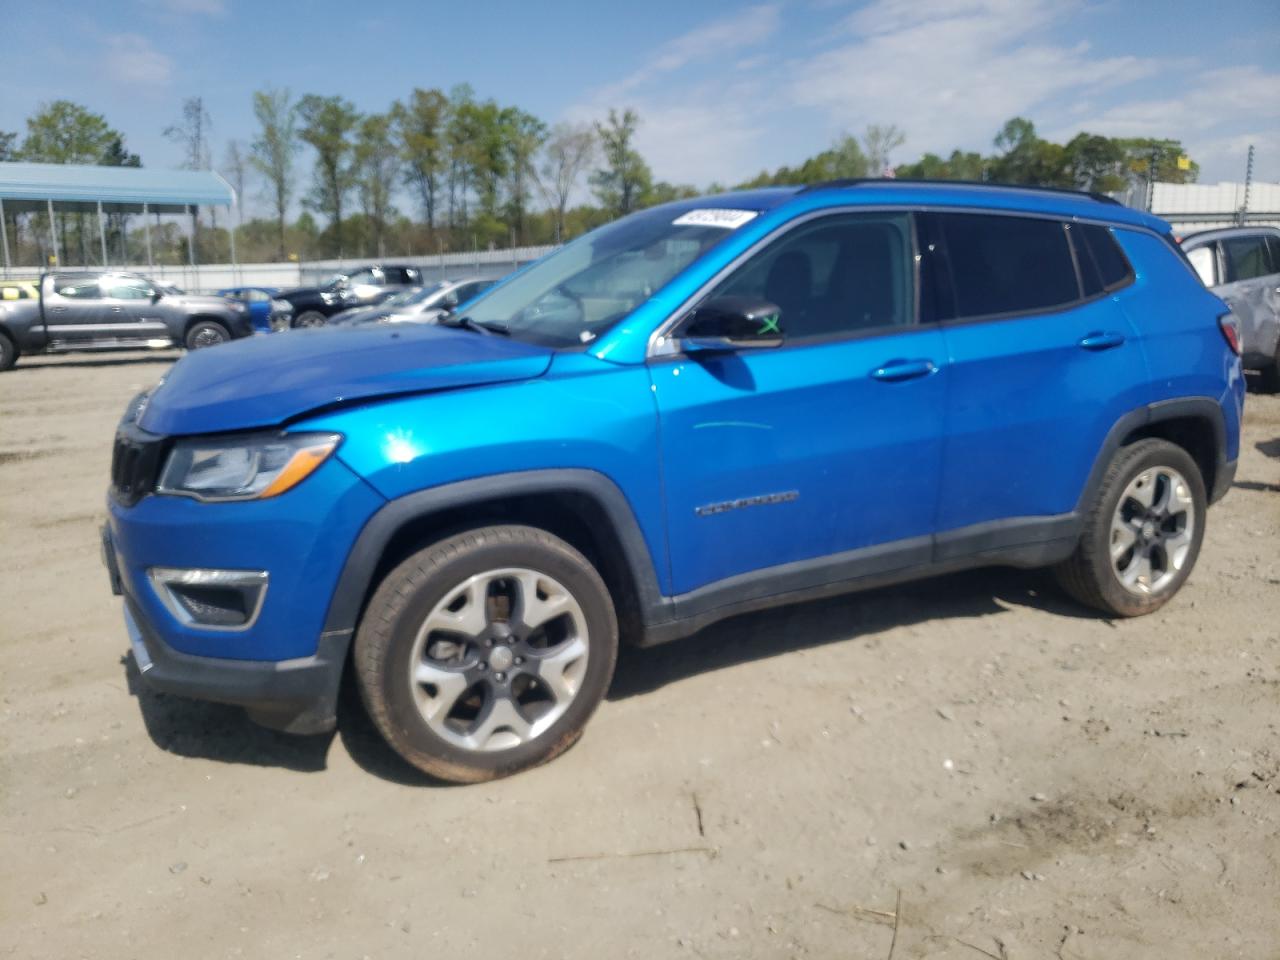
(30, 186)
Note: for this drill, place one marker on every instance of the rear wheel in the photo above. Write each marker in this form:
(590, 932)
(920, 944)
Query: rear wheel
(8, 352)
(1269, 376)
(1143, 533)
(206, 333)
(311, 318)
(486, 653)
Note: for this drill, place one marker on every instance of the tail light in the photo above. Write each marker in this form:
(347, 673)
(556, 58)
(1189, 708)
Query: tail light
(1230, 327)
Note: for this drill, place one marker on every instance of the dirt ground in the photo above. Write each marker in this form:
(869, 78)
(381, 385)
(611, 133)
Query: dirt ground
(963, 767)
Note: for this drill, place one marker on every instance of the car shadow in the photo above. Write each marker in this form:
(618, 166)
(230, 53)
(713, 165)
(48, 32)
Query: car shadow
(65, 363)
(863, 616)
(212, 731)
(217, 731)
(1268, 448)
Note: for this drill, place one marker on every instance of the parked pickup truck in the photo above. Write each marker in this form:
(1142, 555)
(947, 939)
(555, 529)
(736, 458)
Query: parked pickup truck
(113, 311)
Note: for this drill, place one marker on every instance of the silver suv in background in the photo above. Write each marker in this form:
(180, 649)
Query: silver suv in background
(1242, 266)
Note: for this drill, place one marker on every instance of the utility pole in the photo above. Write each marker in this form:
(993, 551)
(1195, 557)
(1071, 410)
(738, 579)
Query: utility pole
(1243, 212)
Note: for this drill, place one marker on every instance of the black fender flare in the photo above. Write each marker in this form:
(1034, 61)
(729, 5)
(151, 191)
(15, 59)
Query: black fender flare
(1200, 408)
(354, 582)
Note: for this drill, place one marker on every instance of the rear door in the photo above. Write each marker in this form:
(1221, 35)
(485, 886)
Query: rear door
(74, 308)
(1042, 364)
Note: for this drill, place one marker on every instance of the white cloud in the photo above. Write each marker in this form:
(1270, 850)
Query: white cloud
(949, 72)
(711, 41)
(724, 101)
(207, 8)
(130, 60)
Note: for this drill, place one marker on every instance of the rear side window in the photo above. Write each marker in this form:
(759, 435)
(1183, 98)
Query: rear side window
(12, 293)
(77, 288)
(1002, 265)
(1103, 265)
(1246, 258)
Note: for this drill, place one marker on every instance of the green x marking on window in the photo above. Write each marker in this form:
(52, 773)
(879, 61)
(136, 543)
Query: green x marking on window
(769, 325)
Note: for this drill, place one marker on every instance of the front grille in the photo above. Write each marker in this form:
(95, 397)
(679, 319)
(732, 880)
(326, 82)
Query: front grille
(135, 463)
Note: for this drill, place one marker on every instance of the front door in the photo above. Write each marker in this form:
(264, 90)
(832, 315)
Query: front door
(823, 453)
(131, 310)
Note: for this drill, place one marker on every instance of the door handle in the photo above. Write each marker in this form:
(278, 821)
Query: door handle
(117, 309)
(895, 370)
(1102, 341)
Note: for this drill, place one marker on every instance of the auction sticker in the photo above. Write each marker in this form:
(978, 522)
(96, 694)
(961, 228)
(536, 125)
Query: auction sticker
(714, 217)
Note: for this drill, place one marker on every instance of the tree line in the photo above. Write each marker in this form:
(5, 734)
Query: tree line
(475, 173)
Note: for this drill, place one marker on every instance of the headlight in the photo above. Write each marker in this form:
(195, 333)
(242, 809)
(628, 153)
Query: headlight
(244, 467)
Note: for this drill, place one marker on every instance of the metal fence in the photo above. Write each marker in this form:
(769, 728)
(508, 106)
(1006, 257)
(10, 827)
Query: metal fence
(205, 278)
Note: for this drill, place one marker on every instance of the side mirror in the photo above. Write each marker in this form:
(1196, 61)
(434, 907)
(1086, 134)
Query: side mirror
(155, 295)
(733, 323)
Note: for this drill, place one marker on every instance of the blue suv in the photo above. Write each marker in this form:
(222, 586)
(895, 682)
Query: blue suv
(703, 409)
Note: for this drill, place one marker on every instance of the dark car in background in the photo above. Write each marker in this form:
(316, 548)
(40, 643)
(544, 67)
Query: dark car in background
(1242, 266)
(114, 311)
(267, 312)
(417, 304)
(361, 287)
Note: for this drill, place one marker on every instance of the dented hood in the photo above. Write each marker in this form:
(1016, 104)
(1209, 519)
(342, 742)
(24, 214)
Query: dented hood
(265, 381)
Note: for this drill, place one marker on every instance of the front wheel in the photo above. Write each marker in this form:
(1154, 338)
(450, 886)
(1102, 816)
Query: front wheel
(1142, 534)
(311, 318)
(206, 333)
(486, 653)
(8, 353)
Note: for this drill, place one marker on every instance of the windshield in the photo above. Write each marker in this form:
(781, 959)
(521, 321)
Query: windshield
(581, 290)
(407, 298)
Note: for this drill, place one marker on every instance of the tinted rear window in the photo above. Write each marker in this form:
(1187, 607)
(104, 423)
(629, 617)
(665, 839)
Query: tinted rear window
(1102, 256)
(1008, 264)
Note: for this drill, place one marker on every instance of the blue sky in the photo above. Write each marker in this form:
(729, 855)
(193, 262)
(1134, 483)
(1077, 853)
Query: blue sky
(724, 89)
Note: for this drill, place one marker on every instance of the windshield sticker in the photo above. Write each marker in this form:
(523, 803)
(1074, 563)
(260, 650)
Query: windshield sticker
(714, 217)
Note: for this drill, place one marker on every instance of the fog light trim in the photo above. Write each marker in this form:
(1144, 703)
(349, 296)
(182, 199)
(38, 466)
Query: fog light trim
(251, 584)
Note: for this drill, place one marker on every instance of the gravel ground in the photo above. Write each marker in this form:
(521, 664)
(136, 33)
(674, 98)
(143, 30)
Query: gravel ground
(962, 767)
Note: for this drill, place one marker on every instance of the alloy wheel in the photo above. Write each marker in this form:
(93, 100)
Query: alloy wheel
(499, 659)
(1152, 530)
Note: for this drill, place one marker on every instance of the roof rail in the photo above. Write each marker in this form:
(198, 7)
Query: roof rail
(882, 181)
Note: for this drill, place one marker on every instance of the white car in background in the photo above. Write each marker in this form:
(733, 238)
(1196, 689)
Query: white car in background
(417, 304)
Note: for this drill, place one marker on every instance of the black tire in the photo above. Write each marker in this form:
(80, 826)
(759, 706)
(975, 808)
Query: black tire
(1269, 376)
(206, 333)
(388, 631)
(8, 353)
(1089, 574)
(310, 318)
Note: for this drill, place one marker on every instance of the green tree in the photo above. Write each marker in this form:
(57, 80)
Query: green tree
(1094, 162)
(65, 132)
(8, 146)
(377, 162)
(420, 127)
(327, 125)
(1145, 154)
(624, 179)
(273, 150)
(460, 132)
(959, 166)
(1026, 158)
(525, 135)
